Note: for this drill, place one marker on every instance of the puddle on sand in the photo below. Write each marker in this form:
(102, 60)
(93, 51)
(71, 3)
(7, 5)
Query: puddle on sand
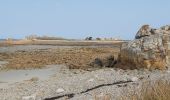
(10, 77)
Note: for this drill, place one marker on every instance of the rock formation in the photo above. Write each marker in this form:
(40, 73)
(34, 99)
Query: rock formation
(149, 49)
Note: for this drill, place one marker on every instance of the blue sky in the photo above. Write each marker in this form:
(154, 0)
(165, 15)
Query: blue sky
(80, 18)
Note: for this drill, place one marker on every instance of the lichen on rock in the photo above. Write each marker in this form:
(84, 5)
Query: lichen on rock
(149, 49)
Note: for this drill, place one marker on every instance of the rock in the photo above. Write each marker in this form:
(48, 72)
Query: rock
(134, 79)
(166, 28)
(91, 80)
(168, 71)
(34, 79)
(29, 97)
(60, 90)
(97, 63)
(144, 31)
(148, 49)
(108, 61)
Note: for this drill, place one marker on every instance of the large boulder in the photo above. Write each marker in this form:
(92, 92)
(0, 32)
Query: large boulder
(149, 49)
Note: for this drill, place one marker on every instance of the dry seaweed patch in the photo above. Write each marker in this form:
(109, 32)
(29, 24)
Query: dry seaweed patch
(158, 90)
(72, 57)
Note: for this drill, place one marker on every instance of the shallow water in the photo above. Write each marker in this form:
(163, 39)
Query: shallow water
(7, 78)
(15, 48)
(11, 49)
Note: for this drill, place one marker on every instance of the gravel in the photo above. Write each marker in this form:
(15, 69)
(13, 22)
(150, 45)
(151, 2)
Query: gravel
(65, 81)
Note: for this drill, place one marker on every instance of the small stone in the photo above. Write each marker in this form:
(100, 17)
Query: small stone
(60, 90)
(134, 79)
(34, 79)
(29, 97)
(168, 71)
(91, 80)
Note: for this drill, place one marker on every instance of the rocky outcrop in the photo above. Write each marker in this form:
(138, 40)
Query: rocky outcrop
(149, 49)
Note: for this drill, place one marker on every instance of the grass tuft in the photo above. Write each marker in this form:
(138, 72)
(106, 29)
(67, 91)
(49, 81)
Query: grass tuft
(158, 90)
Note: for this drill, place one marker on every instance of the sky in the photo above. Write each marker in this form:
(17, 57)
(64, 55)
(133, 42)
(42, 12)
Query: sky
(78, 19)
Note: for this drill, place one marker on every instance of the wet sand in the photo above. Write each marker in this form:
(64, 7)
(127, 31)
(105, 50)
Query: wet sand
(8, 78)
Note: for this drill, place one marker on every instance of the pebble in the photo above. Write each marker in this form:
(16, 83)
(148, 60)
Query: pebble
(91, 80)
(168, 71)
(60, 90)
(29, 97)
(134, 79)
